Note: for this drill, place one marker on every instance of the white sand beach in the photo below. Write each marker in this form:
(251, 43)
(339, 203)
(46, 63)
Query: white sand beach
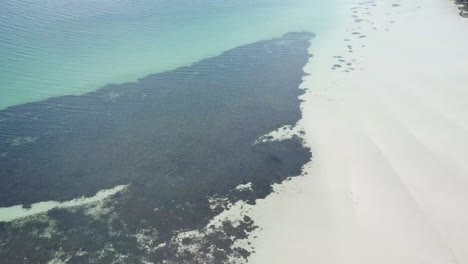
(389, 179)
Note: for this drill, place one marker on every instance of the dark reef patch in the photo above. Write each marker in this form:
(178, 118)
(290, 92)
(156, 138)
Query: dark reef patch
(463, 7)
(177, 138)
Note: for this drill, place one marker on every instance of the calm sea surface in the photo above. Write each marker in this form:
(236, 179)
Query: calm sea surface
(55, 47)
(162, 104)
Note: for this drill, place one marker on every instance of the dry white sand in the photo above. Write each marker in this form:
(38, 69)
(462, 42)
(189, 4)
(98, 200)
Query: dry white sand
(389, 179)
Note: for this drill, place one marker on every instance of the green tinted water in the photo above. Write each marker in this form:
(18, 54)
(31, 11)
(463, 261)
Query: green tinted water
(51, 48)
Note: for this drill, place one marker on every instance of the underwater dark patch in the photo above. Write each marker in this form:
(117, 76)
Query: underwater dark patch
(177, 138)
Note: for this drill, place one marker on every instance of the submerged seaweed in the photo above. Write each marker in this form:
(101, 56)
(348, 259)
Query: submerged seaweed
(180, 139)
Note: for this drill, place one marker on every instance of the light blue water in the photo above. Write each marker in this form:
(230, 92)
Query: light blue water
(55, 47)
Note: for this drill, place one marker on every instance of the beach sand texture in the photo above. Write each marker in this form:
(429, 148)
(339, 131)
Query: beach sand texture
(388, 182)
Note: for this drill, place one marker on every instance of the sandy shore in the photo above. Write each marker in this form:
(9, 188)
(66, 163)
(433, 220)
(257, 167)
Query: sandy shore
(389, 134)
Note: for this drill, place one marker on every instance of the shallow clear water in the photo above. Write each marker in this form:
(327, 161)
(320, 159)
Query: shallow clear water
(53, 47)
(159, 154)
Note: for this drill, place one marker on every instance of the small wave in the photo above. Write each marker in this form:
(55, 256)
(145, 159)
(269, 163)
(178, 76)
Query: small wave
(8, 214)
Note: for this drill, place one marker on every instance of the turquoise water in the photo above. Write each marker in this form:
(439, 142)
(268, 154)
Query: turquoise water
(53, 47)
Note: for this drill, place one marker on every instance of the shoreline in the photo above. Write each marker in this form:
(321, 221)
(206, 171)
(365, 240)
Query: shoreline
(387, 182)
